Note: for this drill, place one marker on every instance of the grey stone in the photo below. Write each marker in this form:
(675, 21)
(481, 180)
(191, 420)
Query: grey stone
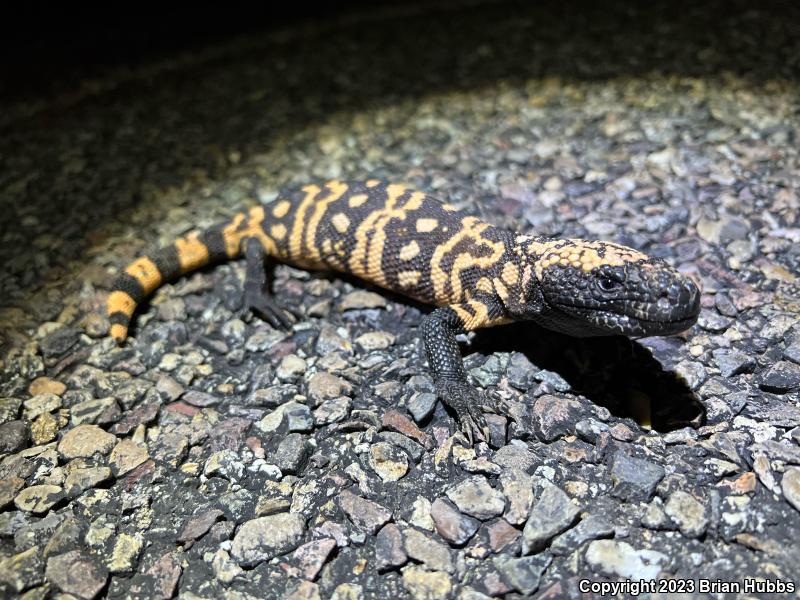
(23, 570)
(77, 573)
(591, 528)
(332, 411)
(687, 512)
(389, 551)
(654, 516)
(224, 463)
(792, 352)
(620, 559)
(388, 461)
(790, 485)
(452, 525)
(432, 554)
(311, 557)
(84, 441)
(515, 456)
(292, 454)
(518, 490)
(521, 372)
(552, 513)
(298, 417)
(59, 341)
(421, 405)
(81, 479)
(782, 377)
(556, 417)
(39, 498)
(367, 515)
(634, 478)
(14, 436)
(522, 574)
(475, 497)
(731, 362)
(267, 537)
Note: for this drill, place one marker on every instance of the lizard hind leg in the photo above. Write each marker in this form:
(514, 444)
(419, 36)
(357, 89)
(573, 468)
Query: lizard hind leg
(258, 299)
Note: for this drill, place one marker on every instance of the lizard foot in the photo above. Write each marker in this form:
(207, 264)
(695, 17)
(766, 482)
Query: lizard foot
(469, 405)
(266, 308)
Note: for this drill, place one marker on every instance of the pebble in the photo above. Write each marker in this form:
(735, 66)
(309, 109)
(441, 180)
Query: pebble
(311, 557)
(501, 534)
(90, 411)
(365, 514)
(59, 341)
(782, 377)
(39, 499)
(125, 553)
(388, 461)
(452, 525)
(556, 417)
(552, 513)
(332, 411)
(126, 456)
(9, 487)
(199, 524)
(77, 573)
(389, 551)
(475, 497)
(326, 386)
(634, 478)
(426, 585)
(733, 362)
(589, 528)
(23, 570)
(45, 385)
(43, 403)
(291, 367)
(790, 486)
(361, 299)
(619, 559)
(292, 454)
(375, 340)
(224, 463)
(264, 538)
(84, 441)
(398, 422)
(522, 574)
(421, 405)
(434, 555)
(81, 479)
(518, 490)
(13, 437)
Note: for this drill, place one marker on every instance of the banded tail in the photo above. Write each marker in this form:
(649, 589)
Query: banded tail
(186, 254)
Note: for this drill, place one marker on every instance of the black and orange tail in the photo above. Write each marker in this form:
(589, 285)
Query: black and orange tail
(145, 274)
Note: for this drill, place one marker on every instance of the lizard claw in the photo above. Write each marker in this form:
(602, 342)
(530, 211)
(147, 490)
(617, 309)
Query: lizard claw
(468, 405)
(270, 311)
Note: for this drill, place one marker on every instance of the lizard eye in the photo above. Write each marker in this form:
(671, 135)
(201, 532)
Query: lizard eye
(607, 284)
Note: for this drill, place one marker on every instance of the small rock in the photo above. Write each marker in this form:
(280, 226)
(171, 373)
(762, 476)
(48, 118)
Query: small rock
(267, 537)
(398, 422)
(361, 299)
(44, 428)
(654, 516)
(201, 399)
(45, 385)
(348, 591)
(90, 411)
(518, 490)
(292, 454)
(389, 551)
(79, 480)
(426, 585)
(591, 528)
(556, 417)
(514, 456)
(453, 526)
(421, 405)
(475, 497)
(13, 437)
(199, 524)
(520, 371)
(126, 456)
(43, 403)
(615, 558)
(8, 489)
(375, 340)
(224, 463)
(732, 362)
(501, 534)
(522, 574)
(311, 557)
(23, 570)
(365, 514)
(84, 441)
(59, 341)
(333, 411)
(421, 514)
(330, 342)
(781, 377)
(125, 553)
(432, 554)
(76, 573)
(553, 513)
(325, 386)
(291, 367)
(634, 478)
(790, 485)
(39, 498)
(388, 461)
(687, 512)
(792, 352)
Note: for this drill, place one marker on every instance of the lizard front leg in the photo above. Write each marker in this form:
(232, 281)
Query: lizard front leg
(439, 330)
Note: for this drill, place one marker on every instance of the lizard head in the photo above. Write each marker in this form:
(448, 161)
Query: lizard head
(601, 288)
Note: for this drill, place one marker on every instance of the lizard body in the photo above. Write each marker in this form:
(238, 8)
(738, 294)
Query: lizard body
(406, 241)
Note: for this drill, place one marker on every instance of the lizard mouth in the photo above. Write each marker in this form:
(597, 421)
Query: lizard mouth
(637, 325)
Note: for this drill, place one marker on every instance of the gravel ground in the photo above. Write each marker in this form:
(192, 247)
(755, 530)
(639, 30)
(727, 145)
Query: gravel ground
(215, 457)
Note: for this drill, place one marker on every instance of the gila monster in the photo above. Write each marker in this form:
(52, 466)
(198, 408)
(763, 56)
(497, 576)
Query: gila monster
(406, 241)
